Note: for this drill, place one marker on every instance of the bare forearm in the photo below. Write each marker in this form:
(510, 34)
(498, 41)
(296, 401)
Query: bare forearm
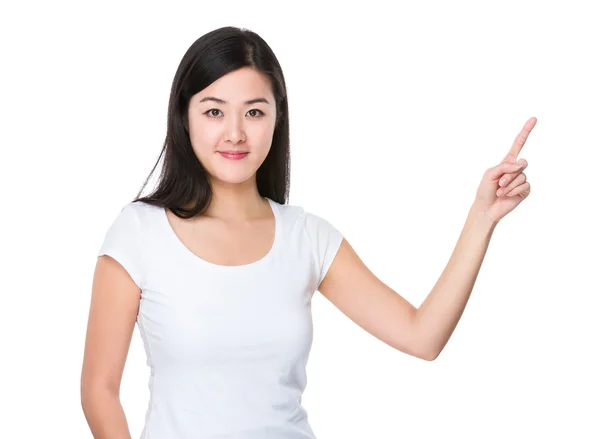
(105, 415)
(440, 312)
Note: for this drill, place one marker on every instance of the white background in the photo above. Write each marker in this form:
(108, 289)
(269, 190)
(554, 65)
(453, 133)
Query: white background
(396, 111)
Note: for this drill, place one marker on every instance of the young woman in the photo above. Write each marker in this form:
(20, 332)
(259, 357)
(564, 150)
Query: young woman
(218, 271)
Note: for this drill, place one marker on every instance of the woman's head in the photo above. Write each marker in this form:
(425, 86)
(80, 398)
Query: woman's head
(232, 68)
(236, 113)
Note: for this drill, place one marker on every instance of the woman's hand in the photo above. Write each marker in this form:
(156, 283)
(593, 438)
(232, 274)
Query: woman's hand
(504, 186)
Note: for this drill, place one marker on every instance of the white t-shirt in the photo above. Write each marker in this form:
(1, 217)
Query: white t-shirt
(227, 346)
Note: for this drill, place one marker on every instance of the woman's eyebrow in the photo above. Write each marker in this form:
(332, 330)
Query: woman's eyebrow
(221, 101)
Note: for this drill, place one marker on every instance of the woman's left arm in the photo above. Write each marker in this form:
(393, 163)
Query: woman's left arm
(423, 332)
(441, 310)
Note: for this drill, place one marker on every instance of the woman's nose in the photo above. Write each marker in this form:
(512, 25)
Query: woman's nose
(234, 131)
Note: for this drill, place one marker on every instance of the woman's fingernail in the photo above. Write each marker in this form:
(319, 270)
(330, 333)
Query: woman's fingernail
(499, 193)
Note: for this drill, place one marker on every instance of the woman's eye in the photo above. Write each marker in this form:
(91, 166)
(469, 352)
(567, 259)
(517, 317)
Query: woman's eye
(211, 112)
(257, 110)
(255, 113)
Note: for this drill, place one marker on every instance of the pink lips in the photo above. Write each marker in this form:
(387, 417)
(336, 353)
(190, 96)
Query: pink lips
(234, 156)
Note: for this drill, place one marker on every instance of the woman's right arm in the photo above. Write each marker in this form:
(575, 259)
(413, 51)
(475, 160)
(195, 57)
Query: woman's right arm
(113, 311)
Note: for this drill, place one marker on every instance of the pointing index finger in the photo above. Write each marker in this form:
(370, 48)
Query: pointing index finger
(520, 141)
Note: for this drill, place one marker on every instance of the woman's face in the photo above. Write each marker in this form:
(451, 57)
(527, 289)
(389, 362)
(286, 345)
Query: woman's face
(237, 112)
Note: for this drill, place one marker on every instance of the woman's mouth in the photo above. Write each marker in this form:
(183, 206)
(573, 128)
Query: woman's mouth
(233, 155)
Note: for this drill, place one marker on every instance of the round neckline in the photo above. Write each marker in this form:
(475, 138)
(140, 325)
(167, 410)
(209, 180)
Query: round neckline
(198, 259)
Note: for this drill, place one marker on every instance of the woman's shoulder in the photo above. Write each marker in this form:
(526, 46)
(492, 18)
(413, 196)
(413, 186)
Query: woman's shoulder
(310, 220)
(290, 209)
(141, 209)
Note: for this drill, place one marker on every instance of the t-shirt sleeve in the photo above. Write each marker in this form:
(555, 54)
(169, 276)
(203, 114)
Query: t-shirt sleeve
(326, 240)
(122, 242)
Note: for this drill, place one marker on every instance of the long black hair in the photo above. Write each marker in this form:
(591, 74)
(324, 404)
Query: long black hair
(184, 185)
